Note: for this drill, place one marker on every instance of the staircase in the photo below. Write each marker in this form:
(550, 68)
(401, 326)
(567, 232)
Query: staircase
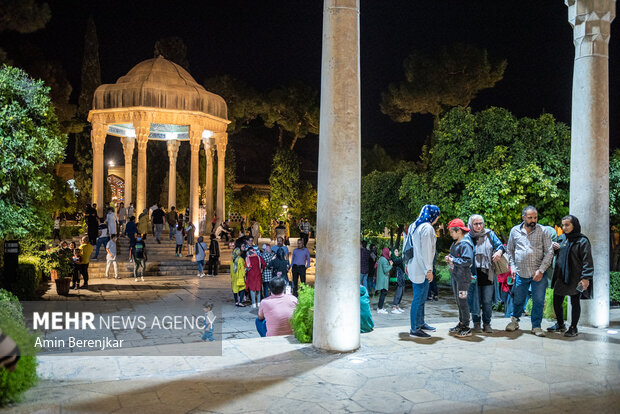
(161, 260)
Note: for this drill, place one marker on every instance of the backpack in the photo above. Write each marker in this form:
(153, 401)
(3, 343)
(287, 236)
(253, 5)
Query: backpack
(138, 250)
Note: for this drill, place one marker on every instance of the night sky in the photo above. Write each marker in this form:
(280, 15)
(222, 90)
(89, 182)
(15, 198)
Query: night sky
(267, 43)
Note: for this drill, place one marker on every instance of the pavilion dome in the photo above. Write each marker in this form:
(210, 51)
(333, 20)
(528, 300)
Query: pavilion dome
(159, 83)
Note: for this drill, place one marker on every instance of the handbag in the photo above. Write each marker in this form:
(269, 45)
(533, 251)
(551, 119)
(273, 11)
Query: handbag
(501, 266)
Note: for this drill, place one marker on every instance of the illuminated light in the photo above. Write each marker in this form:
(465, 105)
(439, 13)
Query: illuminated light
(131, 133)
(111, 163)
(612, 332)
(207, 134)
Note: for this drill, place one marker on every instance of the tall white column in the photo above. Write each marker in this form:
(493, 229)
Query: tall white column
(589, 169)
(195, 136)
(173, 151)
(129, 144)
(337, 284)
(142, 138)
(208, 181)
(97, 139)
(220, 209)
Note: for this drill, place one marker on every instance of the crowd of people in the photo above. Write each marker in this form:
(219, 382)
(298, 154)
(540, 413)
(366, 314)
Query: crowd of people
(477, 257)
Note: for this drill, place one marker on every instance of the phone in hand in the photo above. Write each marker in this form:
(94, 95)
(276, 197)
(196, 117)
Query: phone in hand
(580, 288)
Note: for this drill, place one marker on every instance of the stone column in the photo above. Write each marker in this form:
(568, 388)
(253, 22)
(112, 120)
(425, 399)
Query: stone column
(97, 139)
(142, 137)
(173, 151)
(337, 284)
(220, 209)
(129, 144)
(195, 137)
(589, 169)
(208, 181)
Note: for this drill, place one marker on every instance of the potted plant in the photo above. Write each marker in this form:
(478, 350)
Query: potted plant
(58, 263)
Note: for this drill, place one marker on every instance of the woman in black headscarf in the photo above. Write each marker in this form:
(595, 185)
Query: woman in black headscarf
(573, 273)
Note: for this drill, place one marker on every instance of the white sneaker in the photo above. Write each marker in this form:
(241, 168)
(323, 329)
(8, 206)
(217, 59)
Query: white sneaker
(513, 325)
(201, 275)
(382, 311)
(142, 278)
(136, 279)
(538, 332)
(397, 310)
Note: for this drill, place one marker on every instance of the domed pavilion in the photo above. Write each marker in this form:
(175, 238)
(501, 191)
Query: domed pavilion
(159, 100)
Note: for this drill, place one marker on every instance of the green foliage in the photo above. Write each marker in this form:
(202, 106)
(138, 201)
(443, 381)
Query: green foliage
(28, 283)
(57, 259)
(63, 197)
(378, 241)
(614, 189)
(303, 316)
(230, 177)
(381, 205)
(30, 145)
(484, 163)
(252, 203)
(293, 109)
(83, 167)
(306, 207)
(284, 180)
(614, 287)
(435, 82)
(69, 232)
(14, 384)
(24, 16)
(548, 312)
(10, 307)
(91, 69)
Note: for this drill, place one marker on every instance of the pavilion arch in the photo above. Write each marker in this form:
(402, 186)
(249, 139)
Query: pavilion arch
(159, 100)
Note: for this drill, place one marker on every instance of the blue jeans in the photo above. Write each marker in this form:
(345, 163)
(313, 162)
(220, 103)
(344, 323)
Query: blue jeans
(371, 285)
(266, 289)
(364, 280)
(101, 241)
(416, 314)
(208, 335)
(200, 264)
(521, 290)
(173, 231)
(261, 327)
(477, 295)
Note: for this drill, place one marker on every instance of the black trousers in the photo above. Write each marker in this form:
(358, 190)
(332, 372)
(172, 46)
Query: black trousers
(382, 298)
(299, 272)
(213, 265)
(304, 237)
(558, 301)
(81, 268)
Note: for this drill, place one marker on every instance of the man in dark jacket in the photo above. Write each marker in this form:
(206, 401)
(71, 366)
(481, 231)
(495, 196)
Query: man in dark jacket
(460, 260)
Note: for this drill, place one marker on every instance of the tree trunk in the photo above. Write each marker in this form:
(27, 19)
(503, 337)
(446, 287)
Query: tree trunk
(294, 141)
(401, 228)
(391, 238)
(280, 137)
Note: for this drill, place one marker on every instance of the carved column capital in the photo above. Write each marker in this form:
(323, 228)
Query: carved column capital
(129, 143)
(142, 133)
(195, 136)
(209, 147)
(591, 20)
(97, 136)
(173, 149)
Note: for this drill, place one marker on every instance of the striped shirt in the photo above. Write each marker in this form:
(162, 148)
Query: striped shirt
(529, 252)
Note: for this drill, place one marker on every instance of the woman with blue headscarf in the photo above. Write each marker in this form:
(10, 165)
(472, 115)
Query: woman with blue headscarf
(418, 254)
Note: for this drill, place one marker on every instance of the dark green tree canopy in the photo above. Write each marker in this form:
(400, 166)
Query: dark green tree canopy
(381, 205)
(293, 109)
(284, 181)
(435, 82)
(244, 103)
(174, 49)
(23, 16)
(30, 145)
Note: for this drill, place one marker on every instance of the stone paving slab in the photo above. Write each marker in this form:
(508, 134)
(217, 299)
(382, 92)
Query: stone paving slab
(390, 373)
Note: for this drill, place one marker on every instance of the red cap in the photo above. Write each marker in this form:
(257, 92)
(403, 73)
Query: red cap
(457, 222)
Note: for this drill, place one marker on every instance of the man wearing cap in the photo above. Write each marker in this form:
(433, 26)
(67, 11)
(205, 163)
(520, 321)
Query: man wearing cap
(530, 252)
(460, 260)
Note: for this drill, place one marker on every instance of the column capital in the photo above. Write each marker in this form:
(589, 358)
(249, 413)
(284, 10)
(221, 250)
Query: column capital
(195, 136)
(220, 137)
(591, 21)
(129, 143)
(221, 149)
(173, 149)
(142, 128)
(97, 136)
(209, 147)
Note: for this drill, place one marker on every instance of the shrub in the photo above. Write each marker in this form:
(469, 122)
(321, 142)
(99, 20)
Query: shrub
(14, 384)
(69, 232)
(303, 316)
(28, 285)
(548, 312)
(614, 287)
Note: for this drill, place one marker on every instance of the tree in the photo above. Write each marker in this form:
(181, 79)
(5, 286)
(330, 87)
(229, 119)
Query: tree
(614, 208)
(436, 82)
(306, 207)
(494, 164)
(30, 145)
(251, 203)
(91, 79)
(244, 103)
(293, 109)
(376, 159)
(174, 49)
(24, 16)
(284, 181)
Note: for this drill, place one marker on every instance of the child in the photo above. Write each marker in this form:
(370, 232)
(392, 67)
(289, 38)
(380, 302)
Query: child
(111, 257)
(209, 319)
(460, 260)
(180, 238)
(75, 262)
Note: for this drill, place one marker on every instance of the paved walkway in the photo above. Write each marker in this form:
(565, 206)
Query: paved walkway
(392, 373)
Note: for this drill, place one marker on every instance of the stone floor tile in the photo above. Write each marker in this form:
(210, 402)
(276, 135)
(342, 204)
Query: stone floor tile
(381, 401)
(288, 406)
(342, 406)
(419, 395)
